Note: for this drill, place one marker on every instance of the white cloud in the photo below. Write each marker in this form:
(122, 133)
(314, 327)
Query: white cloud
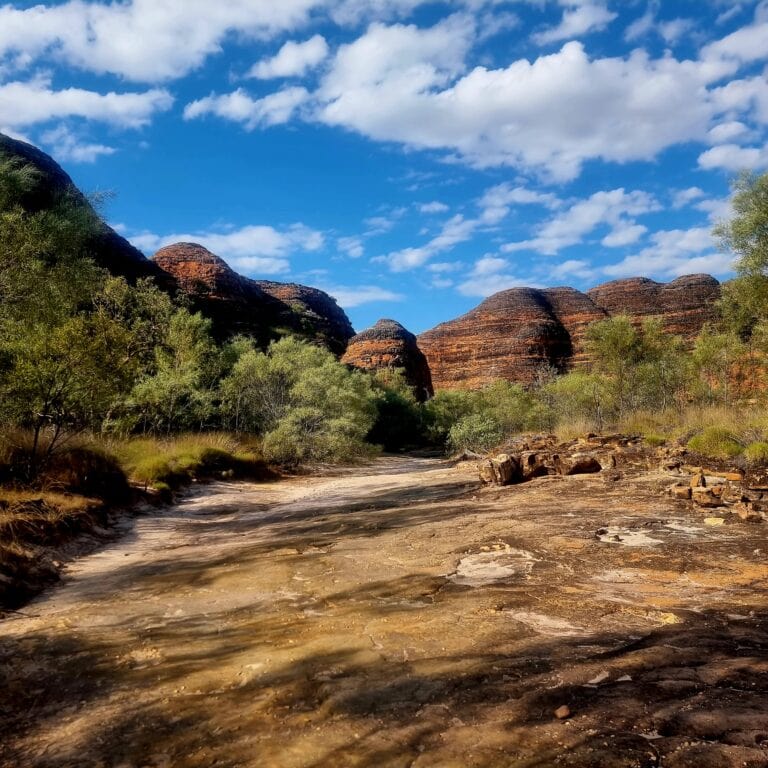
(292, 60)
(614, 209)
(744, 45)
(434, 207)
(684, 197)
(674, 253)
(497, 201)
(238, 106)
(253, 249)
(623, 234)
(28, 103)
(356, 295)
(489, 275)
(65, 146)
(579, 18)
(351, 246)
(505, 116)
(641, 26)
(728, 131)
(578, 268)
(456, 230)
(675, 29)
(143, 40)
(732, 157)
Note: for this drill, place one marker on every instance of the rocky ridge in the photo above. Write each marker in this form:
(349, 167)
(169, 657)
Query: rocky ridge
(261, 309)
(388, 345)
(235, 304)
(516, 333)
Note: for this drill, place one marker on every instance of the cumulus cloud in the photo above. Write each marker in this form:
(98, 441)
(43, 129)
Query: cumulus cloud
(614, 209)
(732, 157)
(356, 295)
(142, 40)
(292, 60)
(66, 146)
(253, 249)
(240, 107)
(497, 201)
(351, 246)
(434, 207)
(684, 197)
(36, 101)
(673, 253)
(579, 18)
(489, 275)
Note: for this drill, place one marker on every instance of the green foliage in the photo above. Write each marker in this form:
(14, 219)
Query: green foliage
(583, 397)
(478, 432)
(477, 420)
(307, 405)
(713, 355)
(399, 421)
(757, 453)
(173, 462)
(716, 442)
(179, 393)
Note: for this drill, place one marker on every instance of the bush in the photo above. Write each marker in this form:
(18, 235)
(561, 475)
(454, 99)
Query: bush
(477, 432)
(716, 442)
(175, 462)
(756, 453)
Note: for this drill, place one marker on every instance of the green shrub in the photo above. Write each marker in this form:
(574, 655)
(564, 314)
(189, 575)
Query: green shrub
(716, 442)
(476, 432)
(757, 453)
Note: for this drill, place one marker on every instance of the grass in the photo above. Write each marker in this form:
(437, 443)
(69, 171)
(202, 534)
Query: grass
(168, 464)
(716, 442)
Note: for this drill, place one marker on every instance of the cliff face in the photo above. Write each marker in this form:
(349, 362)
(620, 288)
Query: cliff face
(260, 309)
(53, 185)
(514, 333)
(388, 345)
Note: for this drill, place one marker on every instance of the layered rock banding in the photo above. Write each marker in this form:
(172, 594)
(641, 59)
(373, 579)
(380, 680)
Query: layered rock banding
(260, 309)
(517, 333)
(387, 345)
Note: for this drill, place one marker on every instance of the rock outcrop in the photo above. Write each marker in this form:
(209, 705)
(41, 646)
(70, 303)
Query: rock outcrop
(516, 333)
(52, 185)
(511, 335)
(261, 309)
(683, 306)
(388, 345)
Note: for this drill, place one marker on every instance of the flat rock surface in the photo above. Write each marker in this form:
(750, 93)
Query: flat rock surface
(399, 615)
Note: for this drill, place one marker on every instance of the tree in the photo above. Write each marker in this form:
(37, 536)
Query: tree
(179, 393)
(616, 348)
(305, 404)
(745, 234)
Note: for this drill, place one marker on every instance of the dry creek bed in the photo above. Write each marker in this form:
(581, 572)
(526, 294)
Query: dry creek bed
(400, 615)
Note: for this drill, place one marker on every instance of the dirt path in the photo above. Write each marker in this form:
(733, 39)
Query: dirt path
(398, 615)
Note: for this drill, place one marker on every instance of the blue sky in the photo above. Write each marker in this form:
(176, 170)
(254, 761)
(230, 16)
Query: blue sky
(410, 157)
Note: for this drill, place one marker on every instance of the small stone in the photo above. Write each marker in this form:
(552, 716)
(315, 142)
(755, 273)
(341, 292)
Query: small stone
(698, 481)
(705, 497)
(562, 713)
(680, 492)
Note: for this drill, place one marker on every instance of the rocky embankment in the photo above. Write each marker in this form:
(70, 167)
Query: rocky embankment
(708, 485)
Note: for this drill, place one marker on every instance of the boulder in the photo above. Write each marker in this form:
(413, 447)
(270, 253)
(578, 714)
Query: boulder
(577, 464)
(679, 491)
(535, 464)
(500, 470)
(706, 497)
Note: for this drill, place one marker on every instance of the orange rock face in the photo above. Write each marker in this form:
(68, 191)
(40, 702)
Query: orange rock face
(388, 345)
(516, 333)
(261, 309)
